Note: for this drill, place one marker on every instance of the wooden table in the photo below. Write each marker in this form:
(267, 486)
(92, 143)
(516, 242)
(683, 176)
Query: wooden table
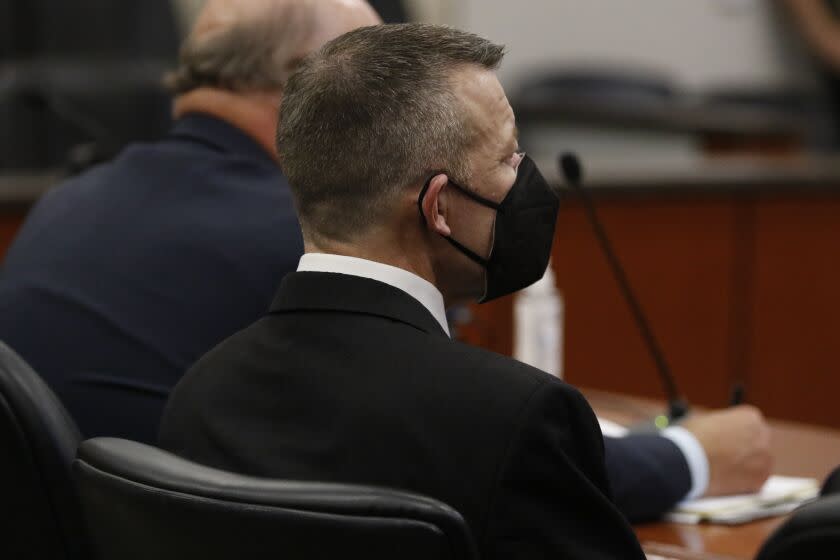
(799, 450)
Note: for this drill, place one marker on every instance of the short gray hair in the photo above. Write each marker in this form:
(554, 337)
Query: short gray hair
(370, 114)
(257, 54)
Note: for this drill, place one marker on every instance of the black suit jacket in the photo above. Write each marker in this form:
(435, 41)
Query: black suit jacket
(352, 380)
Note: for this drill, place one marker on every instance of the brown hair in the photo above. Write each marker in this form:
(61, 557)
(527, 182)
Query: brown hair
(371, 113)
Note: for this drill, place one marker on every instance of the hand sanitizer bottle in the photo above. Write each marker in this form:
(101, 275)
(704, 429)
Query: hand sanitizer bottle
(538, 325)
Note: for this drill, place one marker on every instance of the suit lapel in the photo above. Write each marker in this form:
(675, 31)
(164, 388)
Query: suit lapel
(324, 291)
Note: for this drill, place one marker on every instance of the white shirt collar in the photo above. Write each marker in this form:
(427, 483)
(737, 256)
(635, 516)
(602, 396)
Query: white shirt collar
(423, 291)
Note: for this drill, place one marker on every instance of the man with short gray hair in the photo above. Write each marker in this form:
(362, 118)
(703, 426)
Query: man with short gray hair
(124, 276)
(401, 151)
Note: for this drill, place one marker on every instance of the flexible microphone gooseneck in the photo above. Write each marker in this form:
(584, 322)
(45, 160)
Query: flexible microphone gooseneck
(573, 173)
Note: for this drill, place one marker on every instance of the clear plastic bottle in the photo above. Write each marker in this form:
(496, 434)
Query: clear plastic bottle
(538, 325)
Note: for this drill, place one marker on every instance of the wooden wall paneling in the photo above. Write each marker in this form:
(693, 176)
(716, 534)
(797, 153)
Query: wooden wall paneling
(489, 325)
(679, 256)
(10, 222)
(794, 365)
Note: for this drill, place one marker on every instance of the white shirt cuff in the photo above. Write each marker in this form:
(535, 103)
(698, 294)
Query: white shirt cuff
(695, 456)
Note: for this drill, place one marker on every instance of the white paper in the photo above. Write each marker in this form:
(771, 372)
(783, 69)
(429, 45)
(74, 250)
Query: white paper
(612, 429)
(779, 495)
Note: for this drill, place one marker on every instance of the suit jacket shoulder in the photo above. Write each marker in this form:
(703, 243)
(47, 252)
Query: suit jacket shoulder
(352, 380)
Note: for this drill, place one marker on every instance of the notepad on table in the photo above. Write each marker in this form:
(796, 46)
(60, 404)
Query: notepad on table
(779, 495)
(611, 429)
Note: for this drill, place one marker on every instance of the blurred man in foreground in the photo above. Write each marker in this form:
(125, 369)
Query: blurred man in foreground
(124, 276)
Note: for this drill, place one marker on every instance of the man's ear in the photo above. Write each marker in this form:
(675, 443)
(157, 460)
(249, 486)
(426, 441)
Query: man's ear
(434, 205)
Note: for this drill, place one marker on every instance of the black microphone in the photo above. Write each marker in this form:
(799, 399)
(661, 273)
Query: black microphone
(573, 172)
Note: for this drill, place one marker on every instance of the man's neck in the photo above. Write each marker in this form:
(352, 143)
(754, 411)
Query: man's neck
(385, 253)
(406, 260)
(253, 113)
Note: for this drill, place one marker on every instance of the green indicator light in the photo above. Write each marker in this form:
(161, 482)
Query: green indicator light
(661, 421)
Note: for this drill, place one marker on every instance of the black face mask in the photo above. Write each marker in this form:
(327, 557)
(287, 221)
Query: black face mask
(523, 232)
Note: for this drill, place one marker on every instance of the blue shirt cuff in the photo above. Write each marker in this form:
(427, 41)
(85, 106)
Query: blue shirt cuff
(695, 456)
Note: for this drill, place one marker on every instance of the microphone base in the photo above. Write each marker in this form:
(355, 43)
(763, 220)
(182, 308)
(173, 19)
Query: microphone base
(677, 410)
(651, 425)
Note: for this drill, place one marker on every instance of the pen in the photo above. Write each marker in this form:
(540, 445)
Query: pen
(737, 395)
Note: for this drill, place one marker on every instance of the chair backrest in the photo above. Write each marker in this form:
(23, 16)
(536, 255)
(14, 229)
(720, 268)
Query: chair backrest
(38, 441)
(831, 485)
(141, 502)
(811, 533)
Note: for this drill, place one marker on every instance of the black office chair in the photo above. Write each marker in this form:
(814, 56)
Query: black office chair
(831, 484)
(38, 440)
(811, 533)
(141, 502)
(599, 84)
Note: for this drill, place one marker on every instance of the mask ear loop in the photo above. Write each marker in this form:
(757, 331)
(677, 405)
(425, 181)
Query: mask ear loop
(481, 200)
(469, 194)
(469, 253)
(472, 255)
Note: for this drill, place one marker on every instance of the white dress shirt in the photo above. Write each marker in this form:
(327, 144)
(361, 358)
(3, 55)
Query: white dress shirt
(422, 290)
(695, 456)
(430, 297)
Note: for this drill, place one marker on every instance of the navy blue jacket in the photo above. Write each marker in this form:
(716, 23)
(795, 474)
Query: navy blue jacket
(124, 276)
(648, 475)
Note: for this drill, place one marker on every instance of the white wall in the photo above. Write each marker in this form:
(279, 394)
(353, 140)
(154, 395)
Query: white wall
(700, 43)
(186, 10)
(432, 11)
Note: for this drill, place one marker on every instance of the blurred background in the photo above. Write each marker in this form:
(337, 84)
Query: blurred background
(631, 83)
(707, 129)
(626, 81)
